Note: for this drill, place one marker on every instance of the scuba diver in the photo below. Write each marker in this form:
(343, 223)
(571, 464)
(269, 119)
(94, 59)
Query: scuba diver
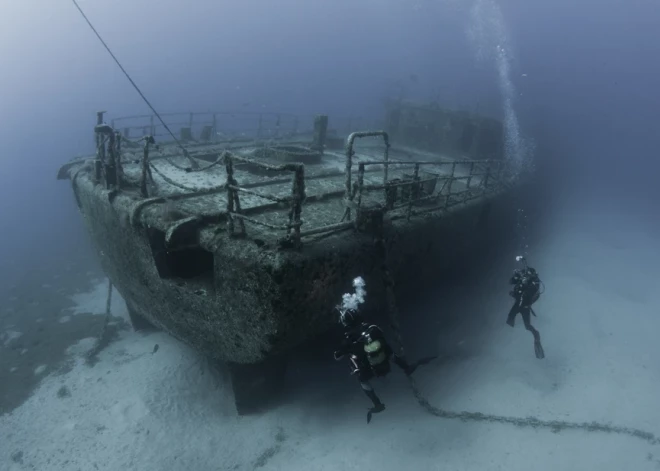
(526, 291)
(368, 350)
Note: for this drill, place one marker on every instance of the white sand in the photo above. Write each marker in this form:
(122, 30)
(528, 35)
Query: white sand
(9, 336)
(168, 411)
(94, 302)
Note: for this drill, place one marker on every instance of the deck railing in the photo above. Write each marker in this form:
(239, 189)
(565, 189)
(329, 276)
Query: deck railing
(425, 188)
(209, 127)
(425, 191)
(419, 189)
(294, 201)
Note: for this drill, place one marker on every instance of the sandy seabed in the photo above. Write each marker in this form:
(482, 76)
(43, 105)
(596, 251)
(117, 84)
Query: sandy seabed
(169, 410)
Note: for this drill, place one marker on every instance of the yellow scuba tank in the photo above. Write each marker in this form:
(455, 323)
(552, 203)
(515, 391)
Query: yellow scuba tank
(374, 351)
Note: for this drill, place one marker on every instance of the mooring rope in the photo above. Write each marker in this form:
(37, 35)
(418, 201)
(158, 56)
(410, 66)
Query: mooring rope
(107, 48)
(103, 339)
(465, 416)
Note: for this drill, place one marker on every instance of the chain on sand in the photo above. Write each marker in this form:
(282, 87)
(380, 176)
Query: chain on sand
(555, 426)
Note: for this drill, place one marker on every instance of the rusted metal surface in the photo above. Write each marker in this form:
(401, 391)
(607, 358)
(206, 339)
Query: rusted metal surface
(270, 198)
(280, 237)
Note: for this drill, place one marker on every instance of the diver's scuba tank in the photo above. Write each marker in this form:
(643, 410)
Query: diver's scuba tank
(528, 282)
(374, 350)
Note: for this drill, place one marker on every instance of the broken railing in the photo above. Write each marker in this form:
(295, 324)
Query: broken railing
(235, 214)
(295, 201)
(107, 164)
(108, 170)
(429, 188)
(349, 195)
(209, 127)
(419, 188)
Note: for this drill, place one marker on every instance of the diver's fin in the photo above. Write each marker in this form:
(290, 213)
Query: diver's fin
(538, 350)
(375, 410)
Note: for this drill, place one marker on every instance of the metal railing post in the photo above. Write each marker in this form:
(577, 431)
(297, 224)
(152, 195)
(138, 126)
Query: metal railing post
(297, 198)
(100, 148)
(386, 166)
(348, 196)
(347, 183)
(411, 197)
(146, 170)
(119, 169)
(320, 133)
(451, 181)
(360, 186)
(111, 168)
(229, 168)
(469, 181)
(233, 203)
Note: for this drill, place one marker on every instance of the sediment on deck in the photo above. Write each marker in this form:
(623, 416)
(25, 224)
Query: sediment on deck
(262, 191)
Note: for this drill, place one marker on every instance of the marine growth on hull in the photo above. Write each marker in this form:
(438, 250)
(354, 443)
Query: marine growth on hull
(236, 233)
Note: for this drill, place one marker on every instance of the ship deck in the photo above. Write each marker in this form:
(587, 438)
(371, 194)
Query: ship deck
(254, 182)
(436, 183)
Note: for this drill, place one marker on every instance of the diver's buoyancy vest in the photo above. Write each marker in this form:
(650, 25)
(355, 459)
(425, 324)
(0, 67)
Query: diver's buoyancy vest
(527, 285)
(374, 350)
(531, 291)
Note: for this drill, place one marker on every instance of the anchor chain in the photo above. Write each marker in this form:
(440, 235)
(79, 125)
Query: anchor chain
(555, 426)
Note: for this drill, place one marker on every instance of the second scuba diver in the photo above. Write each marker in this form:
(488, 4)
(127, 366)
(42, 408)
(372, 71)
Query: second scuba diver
(526, 291)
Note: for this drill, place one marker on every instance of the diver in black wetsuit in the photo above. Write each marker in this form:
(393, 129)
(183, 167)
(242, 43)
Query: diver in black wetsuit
(526, 291)
(369, 355)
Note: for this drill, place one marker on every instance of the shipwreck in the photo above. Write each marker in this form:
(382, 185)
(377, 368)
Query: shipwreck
(239, 241)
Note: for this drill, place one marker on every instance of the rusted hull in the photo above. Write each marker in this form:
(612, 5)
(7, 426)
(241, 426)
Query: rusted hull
(244, 303)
